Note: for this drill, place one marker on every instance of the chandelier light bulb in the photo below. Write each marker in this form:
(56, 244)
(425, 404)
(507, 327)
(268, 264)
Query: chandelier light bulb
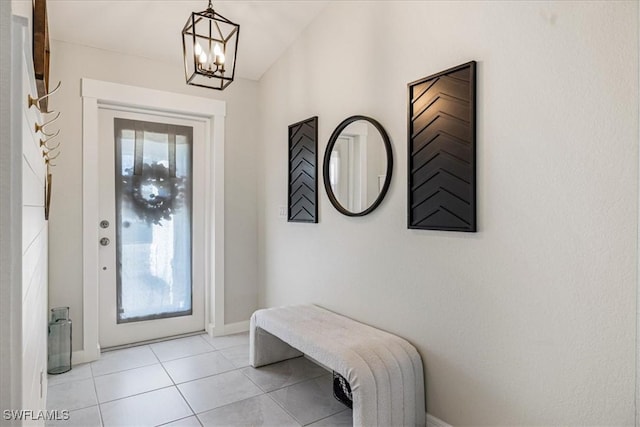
(197, 49)
(218, 54)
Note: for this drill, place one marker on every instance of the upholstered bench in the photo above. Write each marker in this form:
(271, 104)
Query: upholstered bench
(383, 370)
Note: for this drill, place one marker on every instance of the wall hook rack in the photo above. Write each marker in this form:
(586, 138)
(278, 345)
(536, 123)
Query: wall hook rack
(40, 127)
(45, 154)
(36, 101)
(46, 147)
(43, 143)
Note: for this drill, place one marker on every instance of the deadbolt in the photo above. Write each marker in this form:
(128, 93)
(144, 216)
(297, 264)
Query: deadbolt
(104, 224)
(104, 241)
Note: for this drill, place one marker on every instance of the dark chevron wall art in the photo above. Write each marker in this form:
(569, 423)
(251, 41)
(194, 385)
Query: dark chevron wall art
(303, 161)
(442, 151)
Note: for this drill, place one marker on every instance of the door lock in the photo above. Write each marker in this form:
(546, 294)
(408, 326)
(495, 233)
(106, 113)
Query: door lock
(104, 224)
(105, 241)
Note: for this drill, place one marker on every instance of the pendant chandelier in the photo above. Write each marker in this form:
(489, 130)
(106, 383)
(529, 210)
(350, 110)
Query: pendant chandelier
(210, 47)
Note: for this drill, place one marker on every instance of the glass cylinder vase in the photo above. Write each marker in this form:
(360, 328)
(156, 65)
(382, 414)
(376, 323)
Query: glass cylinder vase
(59, 342)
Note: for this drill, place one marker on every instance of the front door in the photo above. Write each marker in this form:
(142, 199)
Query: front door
(152, 243)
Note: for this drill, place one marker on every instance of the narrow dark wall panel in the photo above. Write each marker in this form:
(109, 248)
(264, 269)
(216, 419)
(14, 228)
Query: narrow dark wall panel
(442, 151)
(303, 161)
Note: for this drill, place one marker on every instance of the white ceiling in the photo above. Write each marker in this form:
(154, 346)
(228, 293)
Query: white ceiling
(152, 29)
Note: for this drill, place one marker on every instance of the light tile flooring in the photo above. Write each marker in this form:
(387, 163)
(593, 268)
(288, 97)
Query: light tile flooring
(195, 381)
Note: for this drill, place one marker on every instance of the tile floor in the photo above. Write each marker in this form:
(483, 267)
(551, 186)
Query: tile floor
(195, 381)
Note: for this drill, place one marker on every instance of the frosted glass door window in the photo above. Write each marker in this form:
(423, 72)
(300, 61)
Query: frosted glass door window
(153, 183)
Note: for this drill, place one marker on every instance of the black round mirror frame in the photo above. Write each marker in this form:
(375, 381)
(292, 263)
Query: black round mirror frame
(327, 157)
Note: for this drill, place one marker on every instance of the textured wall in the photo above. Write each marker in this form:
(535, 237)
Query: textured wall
(530, 321)
(70, 63)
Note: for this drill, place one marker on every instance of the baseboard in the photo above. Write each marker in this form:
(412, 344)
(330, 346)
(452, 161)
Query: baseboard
(228, 329)
(84, 356)
(236, 328)
(79, 357)
(435, 422)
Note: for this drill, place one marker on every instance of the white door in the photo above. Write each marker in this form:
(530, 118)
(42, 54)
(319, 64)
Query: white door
(152, 230)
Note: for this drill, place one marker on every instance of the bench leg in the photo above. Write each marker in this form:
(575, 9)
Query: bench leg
(265, 348)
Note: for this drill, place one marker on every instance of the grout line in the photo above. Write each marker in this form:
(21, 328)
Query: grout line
(185, 357)
(50, 386)
(154, 353)
(210, 340)
(186, 401)
(226, 358)
(253, 382)
(202, 336)
(180, 419)
(206, 376)
(213, 349)
(283, 408)
(175, 385)
(346, 408)
(178, 389)
(134, 395)
(233, 368)
(82, 407)
(231, 403)
(290, 384)
(95, 388)
(281, 405)
(169, 375)
(71, 412)
(131, 369)
(125, 370)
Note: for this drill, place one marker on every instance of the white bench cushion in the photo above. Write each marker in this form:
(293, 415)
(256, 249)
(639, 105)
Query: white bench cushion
(383, 370)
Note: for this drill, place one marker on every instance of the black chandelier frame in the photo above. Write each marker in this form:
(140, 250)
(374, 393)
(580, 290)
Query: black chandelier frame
(217, 76)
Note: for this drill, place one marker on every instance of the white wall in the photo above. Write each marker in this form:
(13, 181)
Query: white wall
(34, 251)
(23, 231)
(530, 321)
(70, 63)
(10, 220)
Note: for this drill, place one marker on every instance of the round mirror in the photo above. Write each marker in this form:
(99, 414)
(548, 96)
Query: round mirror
(357, 166)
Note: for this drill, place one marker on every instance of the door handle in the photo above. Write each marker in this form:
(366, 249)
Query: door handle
(105, 241)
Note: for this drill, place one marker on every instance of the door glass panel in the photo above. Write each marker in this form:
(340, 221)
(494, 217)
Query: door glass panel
(153, 163)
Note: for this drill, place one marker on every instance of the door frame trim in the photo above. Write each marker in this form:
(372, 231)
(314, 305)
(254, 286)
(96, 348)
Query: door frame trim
(96, 93)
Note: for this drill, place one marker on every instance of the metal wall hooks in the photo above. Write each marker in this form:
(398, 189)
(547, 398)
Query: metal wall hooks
(49, 138)
(45, 154)
(43, 142)
(36, 101)
(39, 128)
(48, 135)
(46, 147)
(47, 150)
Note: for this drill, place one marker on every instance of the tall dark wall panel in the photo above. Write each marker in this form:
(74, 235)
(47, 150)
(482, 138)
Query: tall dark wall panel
(442, 151)
(303, 161)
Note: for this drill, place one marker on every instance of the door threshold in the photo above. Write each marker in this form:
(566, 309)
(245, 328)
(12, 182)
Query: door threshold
(147, 342)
